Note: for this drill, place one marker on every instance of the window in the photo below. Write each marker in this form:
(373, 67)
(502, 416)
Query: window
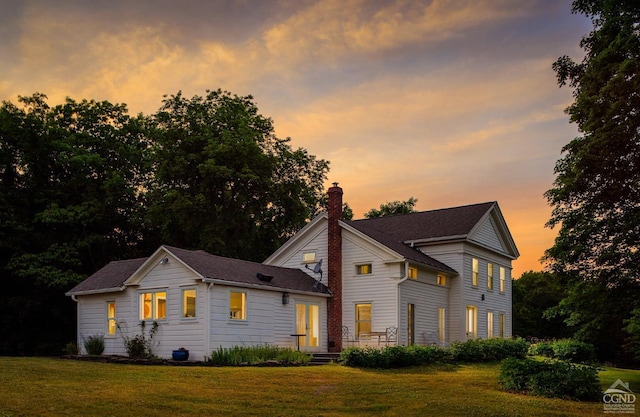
(441, 325)
(472, 322)
(489, 324)
(237, 305)
(153, 305)
(474, 272)
(411, 324)
(502, 278)
(413, 273)
(308, 257)
(441, 280)
(502, 326)
(111, 318)
(363, 319)
(490, 276)
(189, 303)
(363, 269)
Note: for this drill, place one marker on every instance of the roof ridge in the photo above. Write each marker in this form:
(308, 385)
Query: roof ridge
(426, 211)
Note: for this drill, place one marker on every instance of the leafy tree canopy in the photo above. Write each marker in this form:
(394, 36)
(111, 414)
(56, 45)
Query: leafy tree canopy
(393, 207)
(596, 193)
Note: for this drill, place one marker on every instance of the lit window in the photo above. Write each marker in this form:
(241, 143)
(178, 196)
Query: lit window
(363, 319)
(474, 272)
(413, 273)
(441, 325)
(441, 280)
(502, 278)
(489, 324)
(490, 276)
(308, 257)
(111, 318)
(363, 269)
(153, 305)
(472, 322)
(502, 325)
(188, 303)
(237, 305)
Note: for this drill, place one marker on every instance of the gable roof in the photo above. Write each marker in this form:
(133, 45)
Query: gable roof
(117, 275)
(400, 232)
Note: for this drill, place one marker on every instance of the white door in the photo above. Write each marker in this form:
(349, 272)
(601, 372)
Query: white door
(308, 327)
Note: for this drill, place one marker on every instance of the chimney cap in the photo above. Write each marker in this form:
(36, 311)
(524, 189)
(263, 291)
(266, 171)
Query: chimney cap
(335, 184)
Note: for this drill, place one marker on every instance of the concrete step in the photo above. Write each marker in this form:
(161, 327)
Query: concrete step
(324, 358)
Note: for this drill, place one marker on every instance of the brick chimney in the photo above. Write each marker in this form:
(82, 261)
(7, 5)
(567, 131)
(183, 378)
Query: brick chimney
(334, 304)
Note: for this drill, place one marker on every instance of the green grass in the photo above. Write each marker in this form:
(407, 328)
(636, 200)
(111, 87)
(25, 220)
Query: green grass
(57, 387)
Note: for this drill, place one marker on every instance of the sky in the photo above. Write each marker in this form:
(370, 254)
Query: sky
(451, 102)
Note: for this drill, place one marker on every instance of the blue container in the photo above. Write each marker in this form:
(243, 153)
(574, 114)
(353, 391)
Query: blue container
(180, 355)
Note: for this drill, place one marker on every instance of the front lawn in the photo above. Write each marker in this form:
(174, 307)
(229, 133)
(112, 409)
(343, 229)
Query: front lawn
(55, 387)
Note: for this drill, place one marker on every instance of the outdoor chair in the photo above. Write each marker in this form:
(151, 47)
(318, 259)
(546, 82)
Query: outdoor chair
(346, 336)
(392, 335)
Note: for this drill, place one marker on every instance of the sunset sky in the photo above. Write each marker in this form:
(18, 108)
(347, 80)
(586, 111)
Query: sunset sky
(451, 102)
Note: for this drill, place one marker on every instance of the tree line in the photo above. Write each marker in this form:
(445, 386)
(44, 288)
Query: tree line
(83, 183)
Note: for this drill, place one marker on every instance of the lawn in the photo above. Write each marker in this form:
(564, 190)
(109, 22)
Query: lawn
(59, 387)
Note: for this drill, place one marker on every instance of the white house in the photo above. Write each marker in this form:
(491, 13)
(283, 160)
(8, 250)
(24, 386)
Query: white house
(430, 277)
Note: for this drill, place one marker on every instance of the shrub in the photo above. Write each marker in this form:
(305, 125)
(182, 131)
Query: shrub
(141, 346)
(566, 349)
(481, 350)
(94, 345)
(551, 378)
(71, 348)
(255, 355)
(392, 356)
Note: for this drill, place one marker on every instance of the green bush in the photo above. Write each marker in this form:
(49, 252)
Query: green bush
(487, 350)
(255, 355)
(71, 348)
(141, 346)
(565, 349)
(94, 345)
(392, 356)
(551, 378)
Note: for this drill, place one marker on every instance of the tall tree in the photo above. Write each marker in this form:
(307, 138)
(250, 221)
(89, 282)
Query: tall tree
(224, 182)
(393, 207)
(596, 193)
(69, 181)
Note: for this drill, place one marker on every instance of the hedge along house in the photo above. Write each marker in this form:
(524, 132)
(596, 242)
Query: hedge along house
(434, 277)
(200, 302)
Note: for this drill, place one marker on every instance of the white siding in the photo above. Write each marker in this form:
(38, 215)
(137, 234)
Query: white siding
(427, 298)
(378, 288)
(486, 235)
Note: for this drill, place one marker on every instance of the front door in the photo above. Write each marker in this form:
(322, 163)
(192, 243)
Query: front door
(308, 326)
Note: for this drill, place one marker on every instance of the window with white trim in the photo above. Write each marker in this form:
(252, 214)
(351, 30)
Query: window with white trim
(413, 273)
(474, 272)
(490, 276)
(111, 318)
(503, 275)
(489, 324)
(188, 303)
(502, 325)
(308, 257)
(363, 319)
(363, 269)
(153, 305)
(237, 305)
(441, 280)
(442, 330)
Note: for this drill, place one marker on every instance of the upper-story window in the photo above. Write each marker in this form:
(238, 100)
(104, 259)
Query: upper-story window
(503, 277)
(474, 272)
(490, 276)
(363, 269)
(412, 273)
(308, 257)
(153, 305)
(441, 280)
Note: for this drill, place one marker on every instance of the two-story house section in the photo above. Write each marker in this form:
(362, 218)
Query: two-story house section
(435, 276)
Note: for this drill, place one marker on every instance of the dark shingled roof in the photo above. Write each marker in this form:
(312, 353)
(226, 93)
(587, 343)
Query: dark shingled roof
(393, 231)
(111, 276)
(114, 274)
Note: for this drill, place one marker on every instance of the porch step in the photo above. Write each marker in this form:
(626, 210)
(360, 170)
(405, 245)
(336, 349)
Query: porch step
(324, 358)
